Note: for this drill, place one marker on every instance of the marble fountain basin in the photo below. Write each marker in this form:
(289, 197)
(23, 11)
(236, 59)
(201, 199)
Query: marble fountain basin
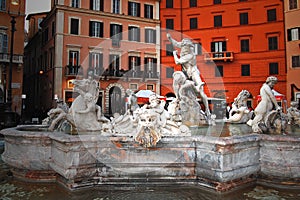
(221, 157)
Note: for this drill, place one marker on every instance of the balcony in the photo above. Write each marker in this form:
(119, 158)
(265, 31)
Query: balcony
(72, 70)
(226, 56)
(5, 57)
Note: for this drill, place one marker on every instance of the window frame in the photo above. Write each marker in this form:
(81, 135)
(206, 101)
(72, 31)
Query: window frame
(244, 18)
(169, 4)
(116, 6)
(77, 32)
(245, 70)
(218, 21)
(134, 9)
(150, 35)
(75, 3)
(148, 8)
(134, 33)
(170, 24)
(193, 23)
(273, 68)
(245, 45)
(293, 4)
(219, 71)
(96, 31)
(272, 43)
(193, 3)
(295, 61)
(271, 15)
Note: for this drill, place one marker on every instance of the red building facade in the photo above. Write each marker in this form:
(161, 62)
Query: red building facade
(238, 44)
(117, 40)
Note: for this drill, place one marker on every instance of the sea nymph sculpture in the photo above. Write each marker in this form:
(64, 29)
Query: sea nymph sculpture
(269, 117)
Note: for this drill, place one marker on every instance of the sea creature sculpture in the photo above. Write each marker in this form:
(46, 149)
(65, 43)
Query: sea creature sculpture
(239, 112)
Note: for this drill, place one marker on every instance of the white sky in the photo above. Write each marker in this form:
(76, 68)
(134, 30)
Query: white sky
(36, 6)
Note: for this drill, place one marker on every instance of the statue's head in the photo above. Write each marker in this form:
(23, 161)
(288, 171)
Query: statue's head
(271, 79)
(148, 119)
(90, 74)
(187, 42)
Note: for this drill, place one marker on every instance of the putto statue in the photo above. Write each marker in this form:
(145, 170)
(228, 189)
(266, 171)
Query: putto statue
(293, 114)
(267, 119)
(188, 84)
(239, 112)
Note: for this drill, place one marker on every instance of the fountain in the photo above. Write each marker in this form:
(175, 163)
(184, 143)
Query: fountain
(78, 147)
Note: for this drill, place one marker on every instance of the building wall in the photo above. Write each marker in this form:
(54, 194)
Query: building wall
(257, 31)
(62, 42)
(292, 49)
(17, 67)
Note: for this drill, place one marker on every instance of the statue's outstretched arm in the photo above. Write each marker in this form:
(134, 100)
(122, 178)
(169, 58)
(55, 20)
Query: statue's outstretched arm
(174, 42)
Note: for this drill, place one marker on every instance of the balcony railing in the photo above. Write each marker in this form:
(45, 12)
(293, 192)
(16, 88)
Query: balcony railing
(5, 57)
(72, 70)
(226, 56)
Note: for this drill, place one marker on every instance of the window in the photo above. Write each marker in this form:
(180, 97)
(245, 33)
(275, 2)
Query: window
(116, 34)
(75, 3)
(114, 65)
(53, 29)
(148, 11)
(73, 58)
(169, 72)
(97, 5)
(245, 45)
(169, 50)
(150, 68)
(219, 71)
(296, 61)
(45, 35)
(135, 66)
(150, 36)
(133, 33)
(243, 18)
(293, 34)
(193, 3)
(74, 26)
(3, 5)
(96, 29)
(3, 43)
(134, 9)
(273, 68)
(96, 63)
(197, 49)
(150, 87)
(116, 6)
(245, 70)
(133, 86)
(271, 15)
(293, 4)
(193, 23)
(170, 24)
(273, 45)
(39, 23)
(219, 46)
(217, 1)
(169, 3)
(218, 21)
